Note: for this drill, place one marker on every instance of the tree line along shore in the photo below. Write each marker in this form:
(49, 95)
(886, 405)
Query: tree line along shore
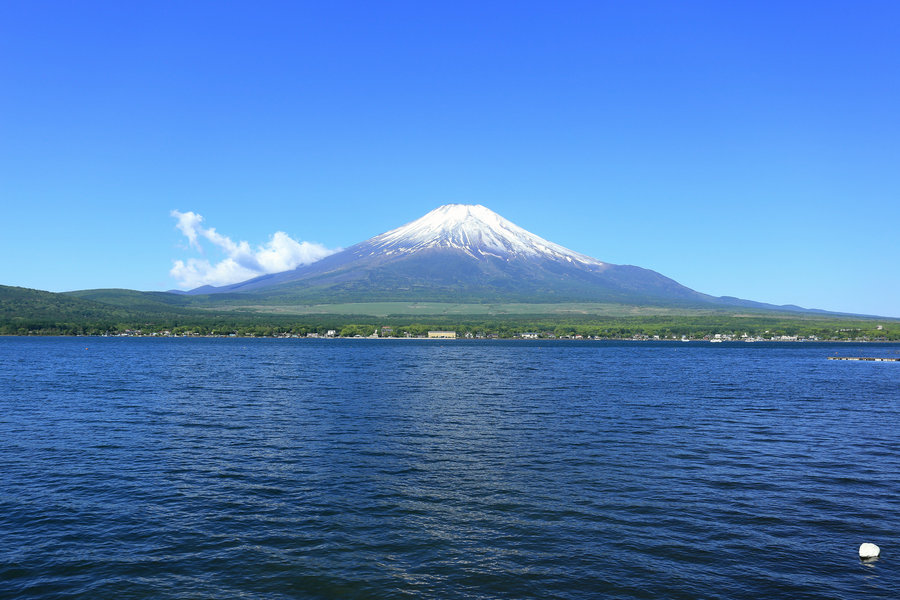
(650, 328)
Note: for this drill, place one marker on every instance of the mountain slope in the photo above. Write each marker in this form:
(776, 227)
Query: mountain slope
(464, 253)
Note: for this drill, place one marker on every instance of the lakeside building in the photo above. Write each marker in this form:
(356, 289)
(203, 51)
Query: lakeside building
(450, 335)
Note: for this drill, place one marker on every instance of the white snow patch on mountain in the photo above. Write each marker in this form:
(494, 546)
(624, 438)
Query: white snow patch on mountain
(476, 230)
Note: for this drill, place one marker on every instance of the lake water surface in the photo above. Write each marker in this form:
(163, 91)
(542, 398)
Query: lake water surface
(241, 468)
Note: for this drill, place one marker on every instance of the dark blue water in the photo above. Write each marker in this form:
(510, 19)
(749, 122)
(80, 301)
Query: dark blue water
(227, 468)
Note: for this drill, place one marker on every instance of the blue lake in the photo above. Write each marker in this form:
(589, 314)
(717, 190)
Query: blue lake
(227, 468)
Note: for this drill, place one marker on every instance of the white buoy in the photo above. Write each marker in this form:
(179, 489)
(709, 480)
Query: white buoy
(869, 551)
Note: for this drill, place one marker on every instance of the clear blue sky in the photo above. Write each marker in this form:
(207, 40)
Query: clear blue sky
(742, 148)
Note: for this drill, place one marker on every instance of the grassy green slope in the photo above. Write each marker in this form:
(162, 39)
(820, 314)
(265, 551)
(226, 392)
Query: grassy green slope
(432, 309)
(138, 301)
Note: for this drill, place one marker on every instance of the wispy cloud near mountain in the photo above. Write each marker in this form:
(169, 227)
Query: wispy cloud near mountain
(241, 261)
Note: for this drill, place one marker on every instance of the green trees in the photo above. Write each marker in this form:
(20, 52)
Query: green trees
(354, 330)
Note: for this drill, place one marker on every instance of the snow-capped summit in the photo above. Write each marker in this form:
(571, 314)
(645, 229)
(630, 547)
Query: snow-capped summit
(474, 229)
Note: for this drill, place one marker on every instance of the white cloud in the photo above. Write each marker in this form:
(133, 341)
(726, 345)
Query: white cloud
(241, 261)
(188, 223)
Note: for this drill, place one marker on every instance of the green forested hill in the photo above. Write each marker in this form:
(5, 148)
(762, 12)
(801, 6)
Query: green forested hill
(24, 310)
(17, 303)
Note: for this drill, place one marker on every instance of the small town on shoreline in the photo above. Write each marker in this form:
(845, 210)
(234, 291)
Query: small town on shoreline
(389, 333)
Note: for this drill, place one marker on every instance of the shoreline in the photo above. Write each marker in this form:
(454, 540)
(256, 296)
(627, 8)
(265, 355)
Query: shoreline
(460, 339)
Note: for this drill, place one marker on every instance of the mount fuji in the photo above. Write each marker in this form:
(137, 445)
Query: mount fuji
(468, 253)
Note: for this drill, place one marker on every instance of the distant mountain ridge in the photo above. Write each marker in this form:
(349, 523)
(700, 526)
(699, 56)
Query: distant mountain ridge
(468, 253)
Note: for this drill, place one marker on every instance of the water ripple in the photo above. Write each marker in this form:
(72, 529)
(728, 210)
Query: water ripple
(308, 469)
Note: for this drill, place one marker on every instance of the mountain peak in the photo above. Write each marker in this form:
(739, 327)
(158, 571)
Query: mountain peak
(465, 252)
(476, 230)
